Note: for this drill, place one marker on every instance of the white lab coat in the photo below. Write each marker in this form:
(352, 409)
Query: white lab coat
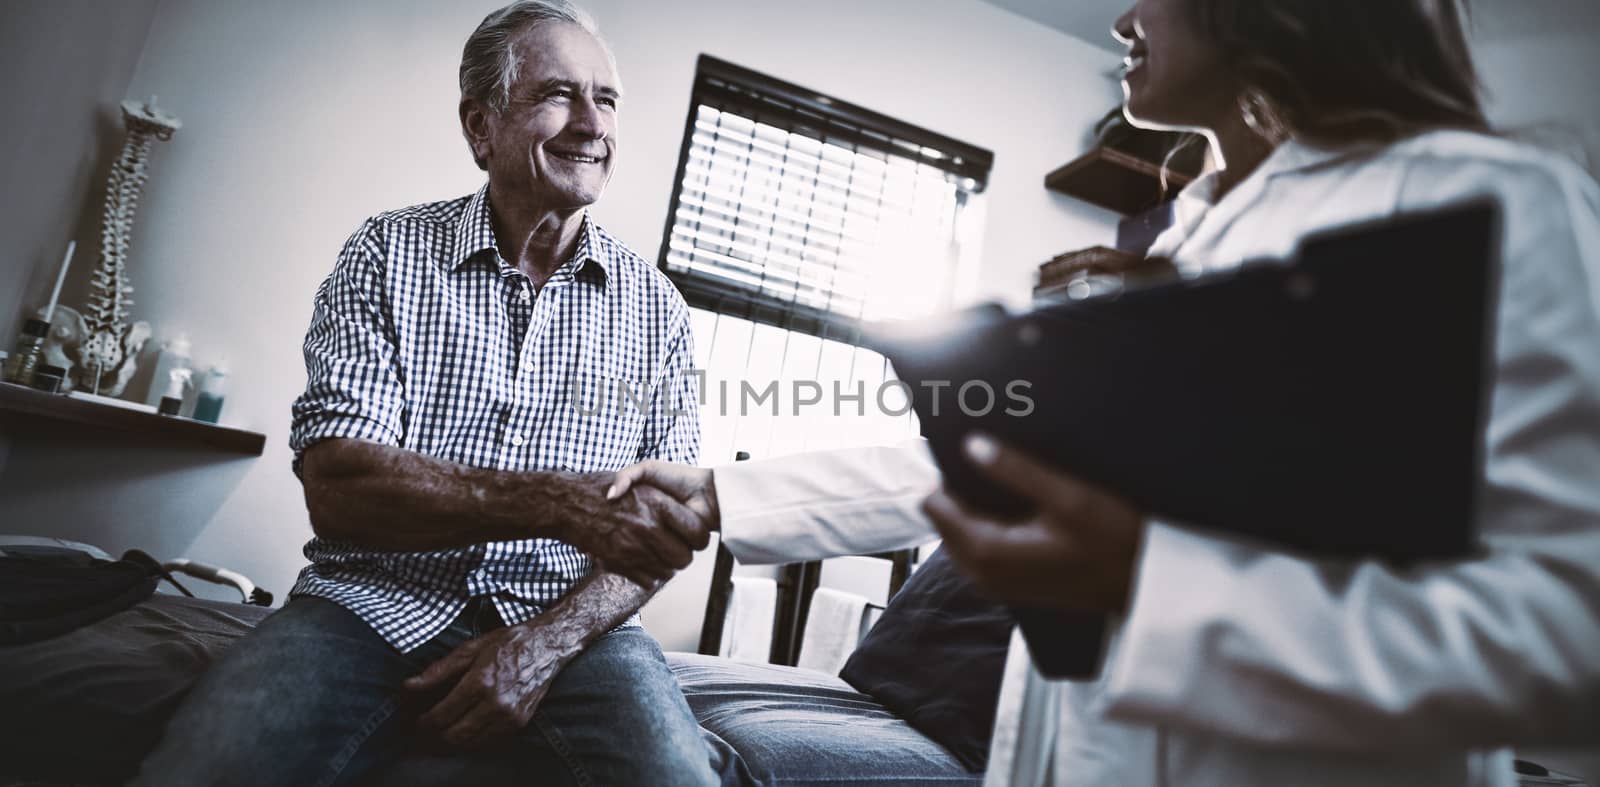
(1240, 666)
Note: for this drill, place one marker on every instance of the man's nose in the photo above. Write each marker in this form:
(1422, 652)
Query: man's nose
(589, 119)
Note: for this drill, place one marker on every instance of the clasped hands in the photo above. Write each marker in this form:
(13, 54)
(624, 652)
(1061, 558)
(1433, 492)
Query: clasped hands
(645, 532)
(1076, 550)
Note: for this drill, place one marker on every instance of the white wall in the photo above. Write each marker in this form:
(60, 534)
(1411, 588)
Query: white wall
(301, 119)
(64, 67)
(1542, 85)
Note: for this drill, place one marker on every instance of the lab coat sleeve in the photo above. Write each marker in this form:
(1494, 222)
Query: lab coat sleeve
(810, 506)
(1235, 640)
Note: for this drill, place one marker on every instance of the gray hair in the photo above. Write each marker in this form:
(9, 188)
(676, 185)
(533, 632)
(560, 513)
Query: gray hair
(489, 64)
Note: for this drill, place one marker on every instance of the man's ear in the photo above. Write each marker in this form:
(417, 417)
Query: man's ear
(475, 127)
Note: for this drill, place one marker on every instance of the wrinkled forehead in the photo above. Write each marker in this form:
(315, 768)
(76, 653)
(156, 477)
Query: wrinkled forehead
(561, 51)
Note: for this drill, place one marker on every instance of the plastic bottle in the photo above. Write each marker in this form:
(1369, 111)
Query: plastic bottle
(208, 404)
(174, 355)
(172, 400)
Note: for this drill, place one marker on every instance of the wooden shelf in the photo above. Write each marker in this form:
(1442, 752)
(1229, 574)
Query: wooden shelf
(21, 406)
(1114, 180)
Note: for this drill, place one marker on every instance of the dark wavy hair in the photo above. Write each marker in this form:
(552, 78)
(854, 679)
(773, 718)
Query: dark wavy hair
(1342, 72)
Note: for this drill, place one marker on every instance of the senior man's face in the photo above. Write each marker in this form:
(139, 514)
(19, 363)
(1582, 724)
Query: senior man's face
(557, 139)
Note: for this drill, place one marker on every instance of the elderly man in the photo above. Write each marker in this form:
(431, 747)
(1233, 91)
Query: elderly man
(476, 369)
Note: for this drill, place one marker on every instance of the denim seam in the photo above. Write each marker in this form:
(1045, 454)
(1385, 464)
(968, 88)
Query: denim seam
(563, 750)
(337, 765)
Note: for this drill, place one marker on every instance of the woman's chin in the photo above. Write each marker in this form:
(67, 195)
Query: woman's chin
(1137, 112)
(1142, 115)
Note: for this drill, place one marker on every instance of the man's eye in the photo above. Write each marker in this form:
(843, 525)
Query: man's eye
(606, 101)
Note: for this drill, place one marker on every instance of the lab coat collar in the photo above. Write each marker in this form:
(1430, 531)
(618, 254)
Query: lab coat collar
(1198, 199)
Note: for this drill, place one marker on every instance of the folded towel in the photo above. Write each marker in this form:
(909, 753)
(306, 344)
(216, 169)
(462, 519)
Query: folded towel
(747, 625)
(833, 628)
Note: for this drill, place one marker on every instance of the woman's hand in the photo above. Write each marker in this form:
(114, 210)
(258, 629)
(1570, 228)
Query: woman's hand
(1077, 550)
(694, 487)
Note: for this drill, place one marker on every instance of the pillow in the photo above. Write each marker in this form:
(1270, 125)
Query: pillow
(87, 705)
(936, 657)
(46, 591)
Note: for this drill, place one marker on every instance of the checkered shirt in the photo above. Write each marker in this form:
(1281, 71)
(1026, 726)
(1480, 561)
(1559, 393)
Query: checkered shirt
(424, 338)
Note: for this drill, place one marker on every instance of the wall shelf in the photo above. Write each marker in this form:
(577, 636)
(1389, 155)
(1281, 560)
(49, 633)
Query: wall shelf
(26, 406)
(1114, 180)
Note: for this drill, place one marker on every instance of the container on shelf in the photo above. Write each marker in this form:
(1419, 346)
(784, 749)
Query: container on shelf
(174, 355)
(30, 346)
(208, 404)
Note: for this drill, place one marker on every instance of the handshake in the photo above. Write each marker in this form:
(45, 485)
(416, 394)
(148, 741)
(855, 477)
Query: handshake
(645, 522)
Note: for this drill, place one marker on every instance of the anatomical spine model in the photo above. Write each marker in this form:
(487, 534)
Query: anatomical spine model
(110, 349)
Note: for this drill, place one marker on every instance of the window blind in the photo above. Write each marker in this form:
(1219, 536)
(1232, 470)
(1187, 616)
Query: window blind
(801, 211)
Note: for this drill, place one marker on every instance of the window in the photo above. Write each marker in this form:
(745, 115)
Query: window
(795, 218)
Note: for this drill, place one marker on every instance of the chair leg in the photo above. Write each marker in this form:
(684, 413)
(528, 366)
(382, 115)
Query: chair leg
(796, 582)
(717, 603)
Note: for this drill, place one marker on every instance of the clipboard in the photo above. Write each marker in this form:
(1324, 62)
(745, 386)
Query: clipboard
(1333, 404)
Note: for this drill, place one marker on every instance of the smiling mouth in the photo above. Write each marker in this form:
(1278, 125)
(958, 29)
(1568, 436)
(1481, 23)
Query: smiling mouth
(578, 157)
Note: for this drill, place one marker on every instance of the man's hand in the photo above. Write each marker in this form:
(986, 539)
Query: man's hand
(645, 536)
(695, 487)
(499, 680)
(1076, 551)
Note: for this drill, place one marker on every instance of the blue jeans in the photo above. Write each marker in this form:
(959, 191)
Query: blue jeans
(311, 697)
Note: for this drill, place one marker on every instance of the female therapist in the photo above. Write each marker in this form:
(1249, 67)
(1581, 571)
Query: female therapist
(1237, 665)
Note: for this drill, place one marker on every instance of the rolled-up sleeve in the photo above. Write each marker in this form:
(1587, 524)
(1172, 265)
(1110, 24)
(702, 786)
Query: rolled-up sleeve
(849, 501)
(354, 387)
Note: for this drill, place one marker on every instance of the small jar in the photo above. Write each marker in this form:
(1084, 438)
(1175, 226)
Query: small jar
(30, 346)
(48, 378)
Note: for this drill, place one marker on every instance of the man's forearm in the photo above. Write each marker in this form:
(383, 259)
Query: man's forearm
(393, 499)
(597, 604)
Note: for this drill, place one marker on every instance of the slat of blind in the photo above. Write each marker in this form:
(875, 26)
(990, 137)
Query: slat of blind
(804, 293)
(753, 248)
(755, 96)
(758, 152)
(763, 141)
(768, 203)
(791, 218)
(714, 256)
(741, 154)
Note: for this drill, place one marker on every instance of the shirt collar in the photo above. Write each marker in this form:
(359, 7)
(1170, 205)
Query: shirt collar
(1291, 156)
(475, 234)
(474, 230)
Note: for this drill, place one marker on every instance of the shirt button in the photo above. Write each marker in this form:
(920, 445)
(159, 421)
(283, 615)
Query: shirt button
(527, 366)
(515, 439)
(524, 295)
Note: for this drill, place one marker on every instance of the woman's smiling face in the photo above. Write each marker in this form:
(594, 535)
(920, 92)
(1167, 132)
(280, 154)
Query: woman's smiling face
(1174, 77)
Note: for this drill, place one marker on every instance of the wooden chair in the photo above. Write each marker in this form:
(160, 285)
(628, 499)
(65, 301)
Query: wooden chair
(796, 583)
